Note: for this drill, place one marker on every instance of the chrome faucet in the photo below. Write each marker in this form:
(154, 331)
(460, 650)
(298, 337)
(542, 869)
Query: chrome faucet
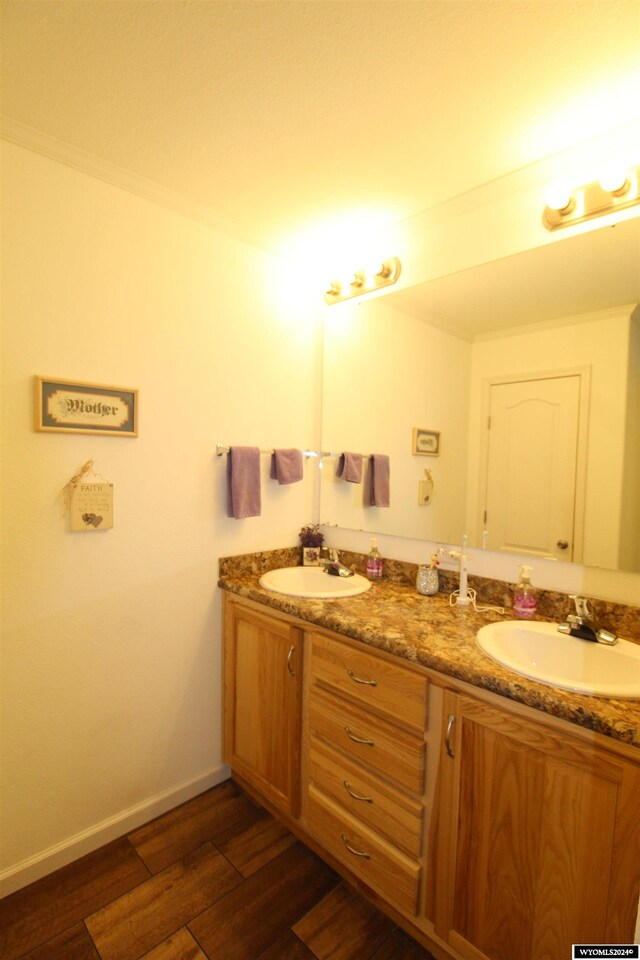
(582, 623)
(333, 564)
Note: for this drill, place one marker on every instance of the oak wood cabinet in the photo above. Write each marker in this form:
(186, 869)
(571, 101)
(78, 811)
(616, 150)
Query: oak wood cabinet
(492, 831)
(262, 702)
(365, 780)
(538, 837)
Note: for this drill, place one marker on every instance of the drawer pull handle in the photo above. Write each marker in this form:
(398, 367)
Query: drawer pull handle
(356, 853)
(352, 736)
(356, 796)
(447, 736)
(289, 667)
(369, 683)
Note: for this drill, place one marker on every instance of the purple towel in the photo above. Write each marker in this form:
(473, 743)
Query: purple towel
(243, 482)
(350, 467)
(377, 486)
(286, 466)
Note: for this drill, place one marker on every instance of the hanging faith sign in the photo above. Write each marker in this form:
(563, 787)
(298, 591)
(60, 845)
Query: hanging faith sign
(89, 499)
(91, 506)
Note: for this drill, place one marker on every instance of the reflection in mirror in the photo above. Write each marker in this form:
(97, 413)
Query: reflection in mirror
(547, 345)
(386, 373)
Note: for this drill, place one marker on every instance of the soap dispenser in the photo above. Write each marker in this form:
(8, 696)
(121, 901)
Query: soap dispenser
(375, 563)
(525, 598)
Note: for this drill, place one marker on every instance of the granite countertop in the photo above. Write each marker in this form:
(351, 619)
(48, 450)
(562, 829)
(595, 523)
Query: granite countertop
(428, 631)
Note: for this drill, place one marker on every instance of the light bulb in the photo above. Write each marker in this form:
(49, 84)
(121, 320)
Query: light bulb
(370, 271)
(615, 181)
(384, 270)
(559, 198)
(377, 270)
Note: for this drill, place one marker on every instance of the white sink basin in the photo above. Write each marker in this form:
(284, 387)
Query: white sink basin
(313, 582)
(539, 651)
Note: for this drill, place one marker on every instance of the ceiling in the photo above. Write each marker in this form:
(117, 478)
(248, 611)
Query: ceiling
(277, 116)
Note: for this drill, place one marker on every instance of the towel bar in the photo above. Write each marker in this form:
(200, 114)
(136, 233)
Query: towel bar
(222, 448)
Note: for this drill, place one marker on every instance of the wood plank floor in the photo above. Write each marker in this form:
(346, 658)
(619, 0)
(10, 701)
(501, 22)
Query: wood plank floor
(215, 879)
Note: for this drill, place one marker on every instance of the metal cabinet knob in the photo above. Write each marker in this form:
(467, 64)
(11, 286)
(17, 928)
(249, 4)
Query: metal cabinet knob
(563, 544)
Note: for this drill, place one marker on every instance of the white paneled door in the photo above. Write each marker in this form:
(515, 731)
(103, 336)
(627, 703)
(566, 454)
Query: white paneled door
(534, 466)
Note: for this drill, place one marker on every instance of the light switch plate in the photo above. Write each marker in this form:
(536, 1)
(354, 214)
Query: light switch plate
(424, 492)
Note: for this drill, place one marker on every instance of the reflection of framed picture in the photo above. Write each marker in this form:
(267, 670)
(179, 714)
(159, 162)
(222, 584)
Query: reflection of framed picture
(66, 406)
(426, 442)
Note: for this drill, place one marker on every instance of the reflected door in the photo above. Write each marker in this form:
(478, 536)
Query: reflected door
(532, 467)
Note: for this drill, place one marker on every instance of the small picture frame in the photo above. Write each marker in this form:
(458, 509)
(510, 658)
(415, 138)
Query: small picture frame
(69, 406)
(426, 443)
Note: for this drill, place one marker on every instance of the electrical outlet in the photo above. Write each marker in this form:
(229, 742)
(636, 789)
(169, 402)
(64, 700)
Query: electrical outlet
(424, 492)
(444, 555)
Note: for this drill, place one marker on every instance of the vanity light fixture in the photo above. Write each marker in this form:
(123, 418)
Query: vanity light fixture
(614, 191)
(364, 281)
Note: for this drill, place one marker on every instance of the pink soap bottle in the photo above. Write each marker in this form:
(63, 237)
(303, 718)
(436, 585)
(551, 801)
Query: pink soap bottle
(525, 598)
(375, 563)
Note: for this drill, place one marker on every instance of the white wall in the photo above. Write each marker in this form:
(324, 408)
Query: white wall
(384, 374)
(111, 646)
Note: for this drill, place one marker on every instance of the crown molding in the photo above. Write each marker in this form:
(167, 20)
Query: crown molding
(623, 312)
(71, 156)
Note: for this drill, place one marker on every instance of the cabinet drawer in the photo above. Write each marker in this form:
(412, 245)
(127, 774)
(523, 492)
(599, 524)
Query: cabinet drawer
(368, 739)
(373, 681)
(385, 810)
(371, 858)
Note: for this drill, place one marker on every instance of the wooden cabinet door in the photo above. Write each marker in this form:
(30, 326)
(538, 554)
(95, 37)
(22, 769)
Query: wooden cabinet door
(262, 715)
(539, 838)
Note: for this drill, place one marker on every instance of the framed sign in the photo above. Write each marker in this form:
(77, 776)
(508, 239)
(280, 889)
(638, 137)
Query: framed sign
(91, 506)
(426, 443)
(67, 406)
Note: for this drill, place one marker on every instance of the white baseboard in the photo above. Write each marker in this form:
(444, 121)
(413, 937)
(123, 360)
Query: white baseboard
(59, 855)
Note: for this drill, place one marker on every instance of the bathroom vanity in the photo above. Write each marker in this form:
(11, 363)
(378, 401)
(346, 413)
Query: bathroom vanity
(491, 816)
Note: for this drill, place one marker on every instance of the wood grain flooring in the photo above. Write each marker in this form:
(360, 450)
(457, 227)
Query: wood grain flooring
(215, 879)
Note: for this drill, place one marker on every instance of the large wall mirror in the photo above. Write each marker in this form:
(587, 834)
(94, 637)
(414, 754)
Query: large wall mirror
(522, 378)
